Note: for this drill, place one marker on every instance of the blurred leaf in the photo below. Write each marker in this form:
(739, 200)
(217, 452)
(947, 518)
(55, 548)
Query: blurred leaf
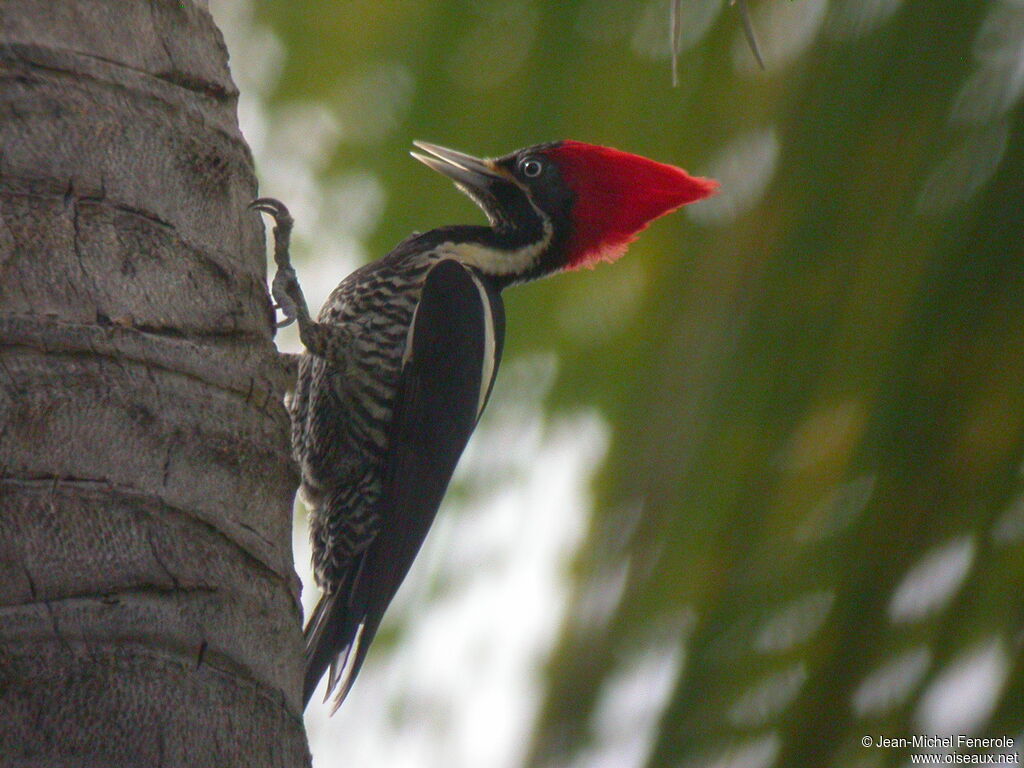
(809, 520)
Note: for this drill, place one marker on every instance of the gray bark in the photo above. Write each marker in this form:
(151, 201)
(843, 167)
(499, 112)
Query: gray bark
(148, 604)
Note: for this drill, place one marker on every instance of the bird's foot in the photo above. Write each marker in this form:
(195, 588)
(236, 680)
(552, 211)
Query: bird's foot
(285, 287)
(283, 223)
(322, 340)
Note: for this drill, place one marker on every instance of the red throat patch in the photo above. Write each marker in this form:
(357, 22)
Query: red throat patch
(617, 196)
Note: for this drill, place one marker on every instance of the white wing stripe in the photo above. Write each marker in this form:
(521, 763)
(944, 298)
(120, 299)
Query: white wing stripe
(487, 372)
(487, 369)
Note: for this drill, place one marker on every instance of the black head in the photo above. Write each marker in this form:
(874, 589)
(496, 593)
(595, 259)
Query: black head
(562, 205)
(525, 200)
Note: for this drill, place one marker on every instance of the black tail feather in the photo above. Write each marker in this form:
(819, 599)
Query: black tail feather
(339, 626)
(324, 640)
(345, 668)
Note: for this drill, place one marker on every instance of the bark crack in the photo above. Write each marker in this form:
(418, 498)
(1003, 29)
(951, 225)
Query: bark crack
(208, 257)
(48, 607)
(31, 582)
(172, 445)
(23, 53)
(113, 597)
(160, 561)
(277, 573)
(212, 658)
(165, 349)
(255, 533)
(77, 246)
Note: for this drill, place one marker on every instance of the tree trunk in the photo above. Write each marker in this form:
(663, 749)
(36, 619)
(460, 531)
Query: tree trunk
(148, 605)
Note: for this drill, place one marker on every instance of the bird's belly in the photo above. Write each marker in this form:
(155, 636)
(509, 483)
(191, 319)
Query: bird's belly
(342, 412)
(345, 422)
(340, 444)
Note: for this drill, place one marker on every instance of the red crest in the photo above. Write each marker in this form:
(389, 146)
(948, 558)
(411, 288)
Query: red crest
(617, 195)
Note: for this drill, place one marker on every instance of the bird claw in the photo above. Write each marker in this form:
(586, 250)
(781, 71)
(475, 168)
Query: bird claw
(275, 208)
(288, 320)
(283, 289)
(283, 223)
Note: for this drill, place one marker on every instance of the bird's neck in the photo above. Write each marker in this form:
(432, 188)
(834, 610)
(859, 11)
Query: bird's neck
(509, 252)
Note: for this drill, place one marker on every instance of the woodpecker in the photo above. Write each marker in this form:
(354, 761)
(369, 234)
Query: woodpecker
(400, 361)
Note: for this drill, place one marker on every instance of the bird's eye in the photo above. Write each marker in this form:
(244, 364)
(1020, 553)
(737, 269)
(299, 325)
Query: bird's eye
(531, 167)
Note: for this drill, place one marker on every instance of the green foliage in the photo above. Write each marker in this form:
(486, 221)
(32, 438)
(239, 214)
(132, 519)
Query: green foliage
(815, 384)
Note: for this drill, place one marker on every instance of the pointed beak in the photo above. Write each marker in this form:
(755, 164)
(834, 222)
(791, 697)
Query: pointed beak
(465, 170)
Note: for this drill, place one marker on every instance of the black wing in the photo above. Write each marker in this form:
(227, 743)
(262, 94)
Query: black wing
(451, 360)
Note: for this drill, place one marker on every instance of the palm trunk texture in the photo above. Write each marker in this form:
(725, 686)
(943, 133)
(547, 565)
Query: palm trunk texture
(148, 604)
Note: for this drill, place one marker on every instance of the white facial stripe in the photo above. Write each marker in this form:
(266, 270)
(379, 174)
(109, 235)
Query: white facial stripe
(487, 366)
(496, 261)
